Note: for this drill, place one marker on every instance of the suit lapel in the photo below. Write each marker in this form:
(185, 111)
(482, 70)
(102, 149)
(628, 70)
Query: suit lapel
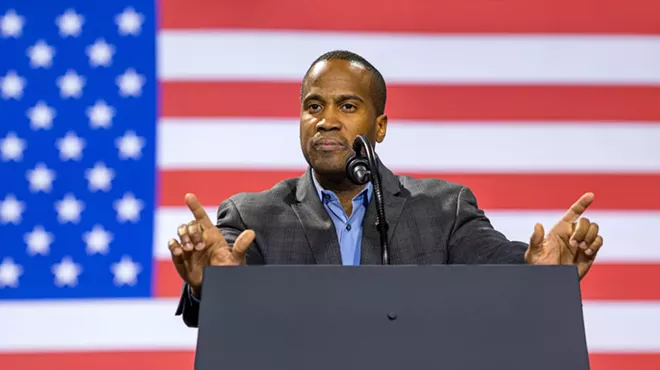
(370, 247)
(316, 223)
(394, 202)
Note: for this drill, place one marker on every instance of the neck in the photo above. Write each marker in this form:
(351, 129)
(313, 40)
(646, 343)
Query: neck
(339, 184)
(344, 188)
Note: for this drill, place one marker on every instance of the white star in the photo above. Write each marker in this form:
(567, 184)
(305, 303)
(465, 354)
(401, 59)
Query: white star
(12, 148)
(70, 146)
(11, 210)
(100, 53)
(41, 116)
(69, 209)
(9, 273)
(130, 145)
(129, 22)
(71, 84)
(130, 83)
(12, 85)
(11, 24)
(100, 115)
(41, 54)
(128, 208)
(38, 241)
(41, 178)
(97, 240)
(70, 23)
(99, 177)
(125, 271)
(66, 272)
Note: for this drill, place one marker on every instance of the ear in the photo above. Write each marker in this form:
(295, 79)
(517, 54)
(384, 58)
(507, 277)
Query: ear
(381, 128)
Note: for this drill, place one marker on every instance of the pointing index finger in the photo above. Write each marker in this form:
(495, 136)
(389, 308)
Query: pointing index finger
(198, 211)
(578, 208)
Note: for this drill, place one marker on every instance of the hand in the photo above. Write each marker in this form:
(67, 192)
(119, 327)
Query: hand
(202, 244)
(572, 241)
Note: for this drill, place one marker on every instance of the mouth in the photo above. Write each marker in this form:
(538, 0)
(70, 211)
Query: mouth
(328, 145)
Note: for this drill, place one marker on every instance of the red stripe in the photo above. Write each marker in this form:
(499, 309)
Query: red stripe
(125, 360)
(624, 361)
(605, 281)
(494, 191)
(609, 281)
(464, 16)
(178, 360)
(420, 102)
(167, 282)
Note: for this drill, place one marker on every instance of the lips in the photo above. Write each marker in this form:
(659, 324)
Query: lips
(327, 144)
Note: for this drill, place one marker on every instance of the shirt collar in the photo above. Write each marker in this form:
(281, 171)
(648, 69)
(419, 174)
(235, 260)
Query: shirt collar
(368, 190)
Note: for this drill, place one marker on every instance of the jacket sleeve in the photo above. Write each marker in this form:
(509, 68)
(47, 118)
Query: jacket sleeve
(473, 239)
(231, 225)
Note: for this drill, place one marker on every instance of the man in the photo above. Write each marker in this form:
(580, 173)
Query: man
(323, 218)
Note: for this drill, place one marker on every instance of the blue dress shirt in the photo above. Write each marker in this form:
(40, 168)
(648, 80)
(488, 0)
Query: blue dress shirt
(349, 229)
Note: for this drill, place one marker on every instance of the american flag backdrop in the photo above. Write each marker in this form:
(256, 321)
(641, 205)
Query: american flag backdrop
(111, 111)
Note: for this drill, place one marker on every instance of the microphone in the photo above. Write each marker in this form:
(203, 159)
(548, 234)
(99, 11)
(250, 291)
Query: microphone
(361, 167)
(357, 169)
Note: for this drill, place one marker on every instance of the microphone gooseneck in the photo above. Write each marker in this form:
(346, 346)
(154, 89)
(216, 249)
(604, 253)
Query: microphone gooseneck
(361, 167)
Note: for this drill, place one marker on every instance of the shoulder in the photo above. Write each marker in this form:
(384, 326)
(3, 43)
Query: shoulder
(438, 193)
(279, 194)
(433, 187)
(257, 209)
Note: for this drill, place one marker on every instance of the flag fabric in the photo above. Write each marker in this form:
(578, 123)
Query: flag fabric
(110, 112)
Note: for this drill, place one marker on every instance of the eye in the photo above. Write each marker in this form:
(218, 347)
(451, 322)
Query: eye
(313, 107)
(349, 107)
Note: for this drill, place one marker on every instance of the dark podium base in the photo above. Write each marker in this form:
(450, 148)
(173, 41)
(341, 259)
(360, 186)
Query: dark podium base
(391, 317)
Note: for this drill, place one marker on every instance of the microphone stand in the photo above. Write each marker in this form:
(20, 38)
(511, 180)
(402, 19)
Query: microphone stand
(361, 167)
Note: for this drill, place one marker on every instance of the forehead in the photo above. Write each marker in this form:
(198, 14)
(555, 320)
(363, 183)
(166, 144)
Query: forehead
(338, 76)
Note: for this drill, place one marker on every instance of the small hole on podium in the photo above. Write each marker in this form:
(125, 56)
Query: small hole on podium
(391, 316)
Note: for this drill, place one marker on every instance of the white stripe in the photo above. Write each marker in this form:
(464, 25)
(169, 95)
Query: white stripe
(622, 326)
(629, 236)
(274, 55)
(112, 324)
(472, 147)
(151, 325)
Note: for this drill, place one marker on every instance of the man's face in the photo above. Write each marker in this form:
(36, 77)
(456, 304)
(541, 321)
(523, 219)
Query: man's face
(337, 107)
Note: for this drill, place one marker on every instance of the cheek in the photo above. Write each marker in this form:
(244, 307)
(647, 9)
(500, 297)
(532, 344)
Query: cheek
(307, 129)
(305, 123)
(361, 127)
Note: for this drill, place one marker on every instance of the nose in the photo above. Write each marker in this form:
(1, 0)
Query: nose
(329, 121)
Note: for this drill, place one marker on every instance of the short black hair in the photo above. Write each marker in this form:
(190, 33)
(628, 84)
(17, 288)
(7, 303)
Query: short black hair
(378, 86)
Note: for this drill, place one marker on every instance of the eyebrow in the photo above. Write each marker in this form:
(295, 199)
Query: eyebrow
(339, 98)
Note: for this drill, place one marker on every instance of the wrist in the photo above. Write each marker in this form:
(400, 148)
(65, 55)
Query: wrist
(195, 291)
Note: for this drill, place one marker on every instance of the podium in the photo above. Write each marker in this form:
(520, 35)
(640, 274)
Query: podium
(455, 317)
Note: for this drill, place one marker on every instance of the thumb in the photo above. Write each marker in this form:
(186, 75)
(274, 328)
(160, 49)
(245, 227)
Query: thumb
(242, 243)
(537, 237)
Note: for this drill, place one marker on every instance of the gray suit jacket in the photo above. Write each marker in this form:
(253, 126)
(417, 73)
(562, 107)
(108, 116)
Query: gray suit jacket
(431, 222)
